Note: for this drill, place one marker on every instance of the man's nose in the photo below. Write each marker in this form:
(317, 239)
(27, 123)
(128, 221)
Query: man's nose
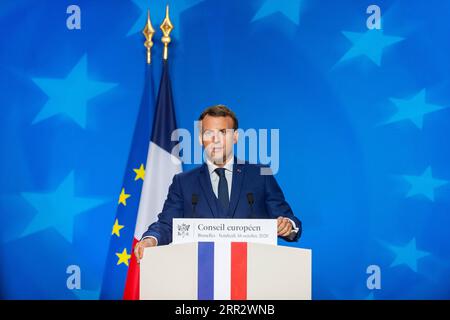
(215, 137)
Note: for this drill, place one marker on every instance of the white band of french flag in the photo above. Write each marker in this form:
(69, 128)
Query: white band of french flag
(222, 271)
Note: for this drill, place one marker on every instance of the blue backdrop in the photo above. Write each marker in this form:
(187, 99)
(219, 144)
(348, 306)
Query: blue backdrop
(363, 118)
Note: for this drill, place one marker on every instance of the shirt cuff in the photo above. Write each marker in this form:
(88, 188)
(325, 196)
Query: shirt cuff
(294, 227)
(150, 237)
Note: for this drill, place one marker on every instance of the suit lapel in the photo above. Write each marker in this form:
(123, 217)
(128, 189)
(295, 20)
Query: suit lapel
(205, 183)
(238, 178)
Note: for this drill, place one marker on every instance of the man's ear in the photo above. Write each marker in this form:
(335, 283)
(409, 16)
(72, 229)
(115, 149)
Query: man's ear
(235, 136)
(200, 134)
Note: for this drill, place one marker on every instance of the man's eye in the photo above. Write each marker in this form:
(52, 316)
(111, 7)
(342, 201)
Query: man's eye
(207, 134)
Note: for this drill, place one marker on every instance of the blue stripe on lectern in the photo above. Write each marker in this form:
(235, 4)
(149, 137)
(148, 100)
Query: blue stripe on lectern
(205, 271)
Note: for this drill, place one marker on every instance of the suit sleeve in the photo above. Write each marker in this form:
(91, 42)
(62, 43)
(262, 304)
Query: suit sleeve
(277, 206)
(173, 208)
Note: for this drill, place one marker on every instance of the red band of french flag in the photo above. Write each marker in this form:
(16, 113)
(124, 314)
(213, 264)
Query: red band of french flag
(222, 271)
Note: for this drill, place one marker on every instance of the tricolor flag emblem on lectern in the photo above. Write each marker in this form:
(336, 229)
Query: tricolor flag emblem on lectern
(222, 271)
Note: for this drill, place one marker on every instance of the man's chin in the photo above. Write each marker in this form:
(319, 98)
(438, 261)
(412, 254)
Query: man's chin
(219, 159)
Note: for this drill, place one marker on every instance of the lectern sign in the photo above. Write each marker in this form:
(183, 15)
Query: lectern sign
(225, 230)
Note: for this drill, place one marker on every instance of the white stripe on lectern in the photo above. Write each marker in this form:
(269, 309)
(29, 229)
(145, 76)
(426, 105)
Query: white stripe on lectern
(222, 271)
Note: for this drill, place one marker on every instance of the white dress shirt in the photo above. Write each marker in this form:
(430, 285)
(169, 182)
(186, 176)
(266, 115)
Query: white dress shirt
(215, 177)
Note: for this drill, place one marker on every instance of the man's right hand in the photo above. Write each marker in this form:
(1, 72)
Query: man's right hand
(139, 247)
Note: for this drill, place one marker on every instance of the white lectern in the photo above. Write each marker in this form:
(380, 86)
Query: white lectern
(261, 272)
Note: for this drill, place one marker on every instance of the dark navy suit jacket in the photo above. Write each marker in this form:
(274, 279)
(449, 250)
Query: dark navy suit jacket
(268, 199)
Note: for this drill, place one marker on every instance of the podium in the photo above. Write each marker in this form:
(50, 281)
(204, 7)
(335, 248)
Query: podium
(247, 271)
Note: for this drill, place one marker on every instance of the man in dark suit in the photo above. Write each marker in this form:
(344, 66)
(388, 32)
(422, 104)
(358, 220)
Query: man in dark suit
(221, 187)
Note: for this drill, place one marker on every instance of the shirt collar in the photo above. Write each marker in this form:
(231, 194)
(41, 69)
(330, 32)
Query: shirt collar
(228, 166)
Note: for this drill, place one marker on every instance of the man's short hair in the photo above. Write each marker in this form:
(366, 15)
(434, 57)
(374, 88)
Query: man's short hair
(219, 111)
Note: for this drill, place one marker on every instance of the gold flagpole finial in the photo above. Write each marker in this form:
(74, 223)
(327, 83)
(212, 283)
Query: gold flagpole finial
(148, 33)
(166, 28)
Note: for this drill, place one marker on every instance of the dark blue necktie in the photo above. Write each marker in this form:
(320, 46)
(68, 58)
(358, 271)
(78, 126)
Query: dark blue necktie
(223, 188)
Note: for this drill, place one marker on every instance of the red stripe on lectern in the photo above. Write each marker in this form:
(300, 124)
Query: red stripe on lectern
(131, 291)
(239, 271)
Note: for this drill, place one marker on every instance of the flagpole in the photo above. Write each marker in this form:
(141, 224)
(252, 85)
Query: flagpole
(166, 27)
(148, 33)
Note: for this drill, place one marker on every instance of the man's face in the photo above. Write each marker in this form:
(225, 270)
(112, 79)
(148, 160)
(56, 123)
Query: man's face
(218, 137)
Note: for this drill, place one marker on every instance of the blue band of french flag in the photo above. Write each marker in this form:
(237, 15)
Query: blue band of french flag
(222, 271)
(206, 270)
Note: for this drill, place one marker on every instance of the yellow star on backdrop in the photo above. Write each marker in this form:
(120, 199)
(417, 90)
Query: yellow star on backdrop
(123, 197)
(123, 257)
(116, 228)
(140, 173)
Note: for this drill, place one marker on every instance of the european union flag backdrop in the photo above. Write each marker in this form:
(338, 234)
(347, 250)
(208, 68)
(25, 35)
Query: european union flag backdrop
(363, 113)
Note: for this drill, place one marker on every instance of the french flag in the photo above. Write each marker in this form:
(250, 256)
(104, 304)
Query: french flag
(222, 271)
(160, 168)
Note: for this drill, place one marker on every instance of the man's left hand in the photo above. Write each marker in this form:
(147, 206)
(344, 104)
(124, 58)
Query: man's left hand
(284, 226)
